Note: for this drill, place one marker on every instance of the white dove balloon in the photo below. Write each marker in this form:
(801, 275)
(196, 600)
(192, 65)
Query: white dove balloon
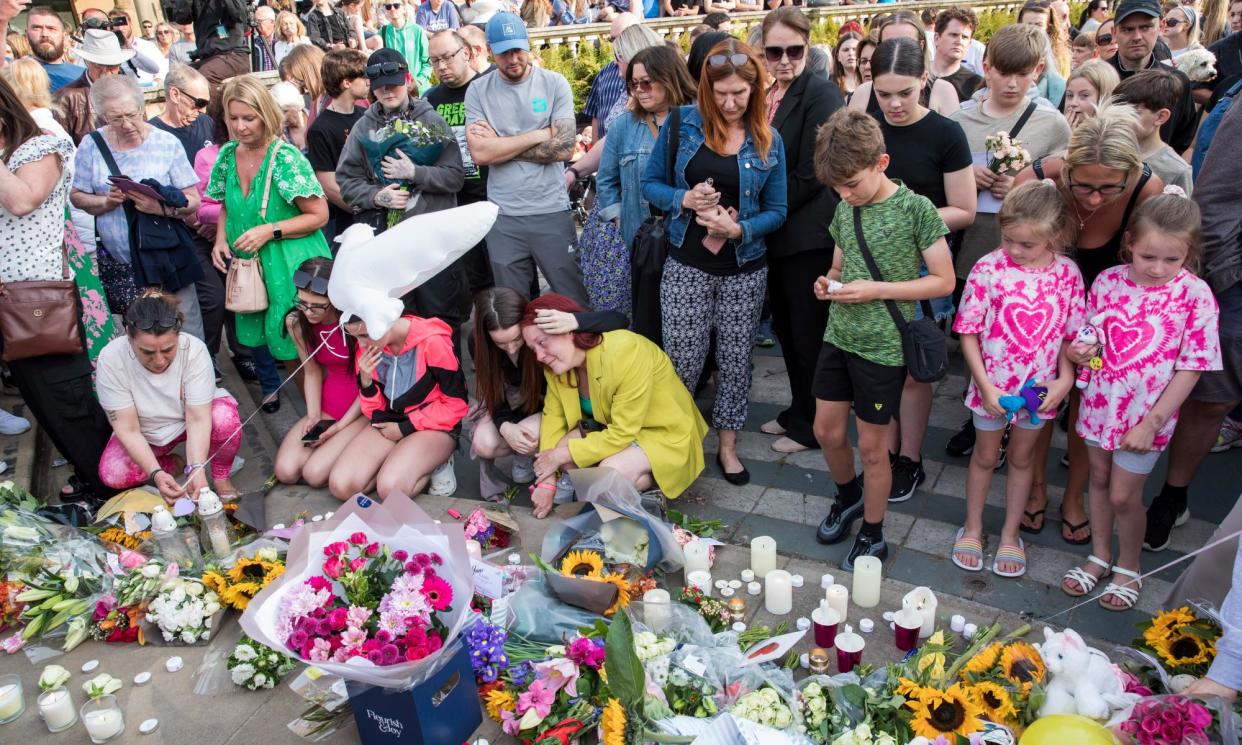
(371, 273)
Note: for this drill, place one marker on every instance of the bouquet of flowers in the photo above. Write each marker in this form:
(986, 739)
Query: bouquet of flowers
(237, 585)
(550, 698)
(764, 706)
(714, 611)
(1003, 680)
(486, 643)
(422, 144)
(862, 735)
(483, 526)
(55, 599)
(820, 717)
(115, 623)
(1184, 643)
(589, 566)
(183, 611)
(10, 606)
(253, 666)
(1006, 155)
(1168, 720)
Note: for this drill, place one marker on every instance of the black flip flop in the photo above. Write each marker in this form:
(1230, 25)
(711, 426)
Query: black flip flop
(1074, 528)
(1031, 516)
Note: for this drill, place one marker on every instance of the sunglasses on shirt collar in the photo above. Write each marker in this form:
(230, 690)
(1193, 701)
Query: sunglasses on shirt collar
(310, 282)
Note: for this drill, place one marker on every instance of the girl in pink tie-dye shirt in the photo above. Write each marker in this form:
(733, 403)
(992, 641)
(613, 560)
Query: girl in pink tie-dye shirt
(1022, 302)
(1160, 330)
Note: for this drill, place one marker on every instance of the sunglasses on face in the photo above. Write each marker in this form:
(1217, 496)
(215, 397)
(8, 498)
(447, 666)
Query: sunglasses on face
(720, 60)
(199, 103)
(392, 6)
(641, 85)
(1086, 190)
(310, 282)
(1103, 40)
(794, 53)
(385, 68)
(1173, 22)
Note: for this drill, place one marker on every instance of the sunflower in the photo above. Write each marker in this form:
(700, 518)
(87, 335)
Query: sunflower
(1022, 665)
(950, 712)
(995, 702)
(498, 701)
(623, 592)
(585, 564)
(1182, 650)
(983, 661)
(612, 723)
(1165, 624)
(909, 689)
(215, 582)
(256, 570)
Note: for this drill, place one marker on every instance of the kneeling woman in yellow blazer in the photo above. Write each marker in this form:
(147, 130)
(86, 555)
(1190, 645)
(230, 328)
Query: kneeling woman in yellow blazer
(613, 400)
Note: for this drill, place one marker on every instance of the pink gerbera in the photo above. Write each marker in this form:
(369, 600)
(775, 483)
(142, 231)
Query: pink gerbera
(438, 592)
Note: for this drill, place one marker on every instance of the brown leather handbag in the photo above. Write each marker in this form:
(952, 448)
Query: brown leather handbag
(40, 317)
(244, 288)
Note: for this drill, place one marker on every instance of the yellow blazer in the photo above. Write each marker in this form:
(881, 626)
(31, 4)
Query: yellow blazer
(638, 396)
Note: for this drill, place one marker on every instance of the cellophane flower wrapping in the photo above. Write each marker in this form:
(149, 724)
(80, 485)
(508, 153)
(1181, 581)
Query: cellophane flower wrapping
(396, 527)
(1176, 720)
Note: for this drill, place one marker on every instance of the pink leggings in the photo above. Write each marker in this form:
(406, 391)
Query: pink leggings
(119, 471)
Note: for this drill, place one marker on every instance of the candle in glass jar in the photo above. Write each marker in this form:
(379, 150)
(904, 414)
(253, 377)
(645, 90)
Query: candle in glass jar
(696, 556)
(656, 607)
(778, 592)
(57, 709)
(762, 556)
(103, 724)
(839, 600)
(867, 581)
(700, 579)
(10, 700)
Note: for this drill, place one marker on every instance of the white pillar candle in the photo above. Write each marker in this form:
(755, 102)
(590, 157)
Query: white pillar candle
(777, 592)
(838, 598)
(696, 556)
(656, 608)
(57, 709)
(923, 601)
(10, 701)
(762, 556)
(700, 579)
(867, 581)
(103, 724)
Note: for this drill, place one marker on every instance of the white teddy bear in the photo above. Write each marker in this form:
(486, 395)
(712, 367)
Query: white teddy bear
(1081, 680)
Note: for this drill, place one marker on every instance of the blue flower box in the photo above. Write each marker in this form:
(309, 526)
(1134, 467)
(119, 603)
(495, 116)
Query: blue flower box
(443, 710)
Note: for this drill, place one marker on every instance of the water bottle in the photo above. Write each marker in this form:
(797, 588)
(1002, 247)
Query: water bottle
(176, 545)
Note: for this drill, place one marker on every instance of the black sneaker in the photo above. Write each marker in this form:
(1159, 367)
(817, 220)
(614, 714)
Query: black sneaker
(1162, 516)
(865, 546)
(837, 525)
(245, 369)
(963, 443)
(907, 475)
(1004, 451)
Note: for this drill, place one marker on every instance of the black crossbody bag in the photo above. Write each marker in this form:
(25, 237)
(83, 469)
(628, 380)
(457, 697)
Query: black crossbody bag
(923, 344)
(650, 251)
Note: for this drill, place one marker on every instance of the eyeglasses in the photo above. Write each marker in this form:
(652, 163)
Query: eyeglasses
(310, 282)
(122, 118)
(794, 53)
(864, 62)
(306, 307)
(1107, 190)
(199, 103)
(446, 58)
(1103, 40)
(643, 85)
(385, 68)
(736, 59)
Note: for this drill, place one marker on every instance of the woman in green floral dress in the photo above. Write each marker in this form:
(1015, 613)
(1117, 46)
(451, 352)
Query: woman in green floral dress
(284, 232)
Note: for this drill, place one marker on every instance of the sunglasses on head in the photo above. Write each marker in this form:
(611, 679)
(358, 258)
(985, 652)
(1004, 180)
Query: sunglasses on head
(159, 324)
(310, 282)
(794, 53)
(385, 68)
(737, 59)
(199, 103)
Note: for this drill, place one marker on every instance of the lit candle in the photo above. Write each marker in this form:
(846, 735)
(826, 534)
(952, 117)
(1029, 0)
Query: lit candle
(923, 601)
(11, 704)
(656, 607)
(103, 724)
(762, 556)
(696, 556)
(867, 581)
(700, 579)
(777, 592)
(57, 709)
(839, 600)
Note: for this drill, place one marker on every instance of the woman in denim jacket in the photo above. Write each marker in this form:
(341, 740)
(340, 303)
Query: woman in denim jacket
(729, 191)
(658, 80)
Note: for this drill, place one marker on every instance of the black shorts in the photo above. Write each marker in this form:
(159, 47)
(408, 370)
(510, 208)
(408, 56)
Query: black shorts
(874, 389)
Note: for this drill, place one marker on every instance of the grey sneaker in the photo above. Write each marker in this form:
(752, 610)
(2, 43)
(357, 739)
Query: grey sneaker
(523, 471)
(11, 424)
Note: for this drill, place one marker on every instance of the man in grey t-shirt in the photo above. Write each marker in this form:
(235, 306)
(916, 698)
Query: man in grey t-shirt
(520, 123)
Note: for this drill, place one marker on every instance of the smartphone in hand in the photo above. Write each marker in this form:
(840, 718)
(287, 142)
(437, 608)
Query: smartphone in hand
(312, 436)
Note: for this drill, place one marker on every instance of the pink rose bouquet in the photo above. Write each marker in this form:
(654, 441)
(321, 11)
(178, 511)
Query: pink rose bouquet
(1168, 720)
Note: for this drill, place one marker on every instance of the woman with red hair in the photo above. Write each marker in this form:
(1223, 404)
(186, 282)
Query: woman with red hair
(728, 191)
(613, 400)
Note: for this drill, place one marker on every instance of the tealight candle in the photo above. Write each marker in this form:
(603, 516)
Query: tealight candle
(777, 592)
(754, 588)
(739, 627)
(726, 592)
(762, 556)
(11, 702)
(804, 660)
(957, 624)
(696, 553)
(796, 580)
(803, 623)
(970, 630)
(103, 719)
(867, 574)
(737, 609)
(866, 625)
(839, 600)
(57, 709)
(818, 661)
(701, 580)
(825, 581)
(748, 576)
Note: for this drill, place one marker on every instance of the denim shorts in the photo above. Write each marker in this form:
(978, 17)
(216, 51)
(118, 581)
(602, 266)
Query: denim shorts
(996, 424)
(1139, 464)
(942, 307)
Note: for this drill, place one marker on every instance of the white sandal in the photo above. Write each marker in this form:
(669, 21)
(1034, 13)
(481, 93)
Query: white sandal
(1128, 594)
(1086, 581)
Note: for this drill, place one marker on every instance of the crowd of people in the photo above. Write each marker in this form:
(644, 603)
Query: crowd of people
(850, 201)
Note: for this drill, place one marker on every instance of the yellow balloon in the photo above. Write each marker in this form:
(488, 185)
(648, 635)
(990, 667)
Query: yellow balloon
(1062, 729)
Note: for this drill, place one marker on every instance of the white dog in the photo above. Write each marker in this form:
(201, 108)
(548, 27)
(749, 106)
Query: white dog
(1198, 64)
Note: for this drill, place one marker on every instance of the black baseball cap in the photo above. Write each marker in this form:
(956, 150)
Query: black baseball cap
(1130, 7)
(387, 67)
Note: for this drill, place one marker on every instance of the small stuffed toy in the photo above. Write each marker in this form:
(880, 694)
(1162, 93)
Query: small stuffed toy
(1090, 336)
(1081, 680)
(1198, 64)
(1029, 397)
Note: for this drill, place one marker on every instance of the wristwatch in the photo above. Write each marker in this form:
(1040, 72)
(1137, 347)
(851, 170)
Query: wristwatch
(277, 233)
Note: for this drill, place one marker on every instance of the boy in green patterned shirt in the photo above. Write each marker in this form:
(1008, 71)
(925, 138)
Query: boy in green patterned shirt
(862, 363)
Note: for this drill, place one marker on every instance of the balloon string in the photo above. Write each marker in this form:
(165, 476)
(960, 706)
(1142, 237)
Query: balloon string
(1145, 575)
(237, 432)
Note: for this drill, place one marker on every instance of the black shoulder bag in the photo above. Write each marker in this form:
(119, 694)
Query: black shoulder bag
(923, 344)
(650, 250)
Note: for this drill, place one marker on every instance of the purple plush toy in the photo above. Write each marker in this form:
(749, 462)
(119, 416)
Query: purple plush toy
(1030, 397)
